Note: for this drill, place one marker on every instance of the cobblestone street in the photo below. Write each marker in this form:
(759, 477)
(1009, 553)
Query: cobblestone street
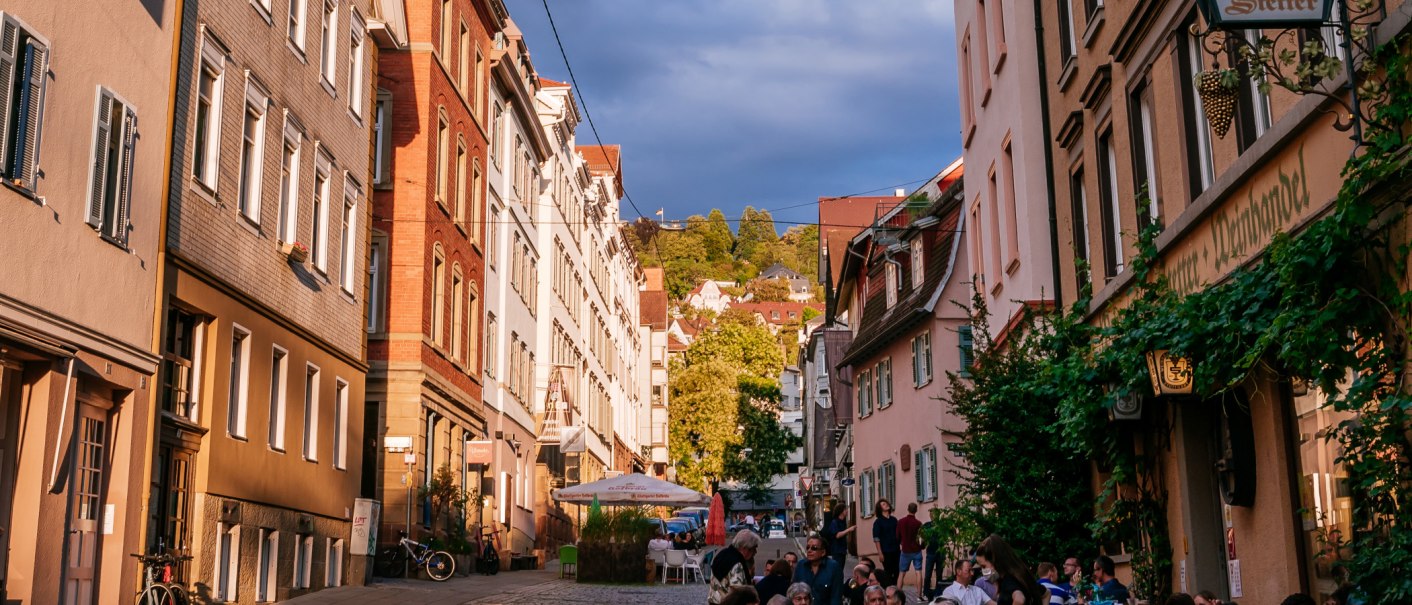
(520, 588)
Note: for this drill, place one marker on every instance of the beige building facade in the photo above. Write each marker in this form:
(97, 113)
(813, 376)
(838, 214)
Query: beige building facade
(84, 103)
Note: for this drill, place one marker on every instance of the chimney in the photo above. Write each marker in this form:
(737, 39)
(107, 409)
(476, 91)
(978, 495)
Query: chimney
(899, 192)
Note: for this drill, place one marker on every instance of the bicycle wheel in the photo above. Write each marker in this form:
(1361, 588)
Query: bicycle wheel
(156, 594)
(391, 562)
(179, 596)
(440, 566)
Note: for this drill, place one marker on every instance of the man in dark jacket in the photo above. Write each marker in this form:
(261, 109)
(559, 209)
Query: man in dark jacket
(821, 573)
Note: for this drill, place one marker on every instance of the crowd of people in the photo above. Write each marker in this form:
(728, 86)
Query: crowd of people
(993, 574)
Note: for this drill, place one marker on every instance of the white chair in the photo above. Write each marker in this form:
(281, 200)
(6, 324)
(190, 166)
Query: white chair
(693, 566)
(659, 559)
(676, 559)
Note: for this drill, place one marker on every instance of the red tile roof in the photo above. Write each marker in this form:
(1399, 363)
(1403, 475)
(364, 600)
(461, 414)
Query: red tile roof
(765, 309)
(653, 308)
(841, 218)
(547, 83)
(604, 160)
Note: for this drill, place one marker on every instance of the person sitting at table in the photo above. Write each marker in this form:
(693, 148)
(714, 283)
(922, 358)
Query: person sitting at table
(658, 543)
(681, 541)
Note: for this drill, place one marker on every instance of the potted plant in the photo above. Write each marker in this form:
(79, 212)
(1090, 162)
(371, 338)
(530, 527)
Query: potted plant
(613, 546)
(296, 251)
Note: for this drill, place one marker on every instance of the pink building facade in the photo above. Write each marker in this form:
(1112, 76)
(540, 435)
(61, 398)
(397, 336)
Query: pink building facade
(1008, 208)
(899, 286)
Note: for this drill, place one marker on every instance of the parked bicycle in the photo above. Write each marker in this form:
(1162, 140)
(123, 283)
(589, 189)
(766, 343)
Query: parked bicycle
(158, 580)
(489, 561)
(394, 560)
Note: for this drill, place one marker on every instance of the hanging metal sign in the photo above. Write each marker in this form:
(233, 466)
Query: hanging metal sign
(1242, 14)
(1171, 375)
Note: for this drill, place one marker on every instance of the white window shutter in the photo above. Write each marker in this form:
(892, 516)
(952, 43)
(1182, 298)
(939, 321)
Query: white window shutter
(124, 193)
(31, 104)
(98, 175)
(9, 37)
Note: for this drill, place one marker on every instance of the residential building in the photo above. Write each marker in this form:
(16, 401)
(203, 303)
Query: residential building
(1129, 121)
(85, 102)
(255, 468)
(800, 290)
(428, 263)
(652, 370)
(518, 149)
(1009, 243)
(708, 296)
(901, 287)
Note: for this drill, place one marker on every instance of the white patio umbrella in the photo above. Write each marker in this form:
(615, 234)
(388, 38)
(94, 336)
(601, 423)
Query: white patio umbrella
(632, 489)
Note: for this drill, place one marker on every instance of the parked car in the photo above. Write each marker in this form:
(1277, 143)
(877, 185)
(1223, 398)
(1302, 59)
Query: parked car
(671, 526)
(693, 526)
(700, 513)
(775, 529)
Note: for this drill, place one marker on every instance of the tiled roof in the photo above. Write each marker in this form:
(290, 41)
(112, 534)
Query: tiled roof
(841, 218)
(547, 83)
(605, 160)
(783, 309)
(653, 309)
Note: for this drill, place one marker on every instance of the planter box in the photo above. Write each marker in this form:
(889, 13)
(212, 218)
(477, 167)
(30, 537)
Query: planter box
(296, 254)
(610, 562)
(465, 564)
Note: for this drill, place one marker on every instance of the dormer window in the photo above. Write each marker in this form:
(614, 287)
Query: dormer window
(919, 265)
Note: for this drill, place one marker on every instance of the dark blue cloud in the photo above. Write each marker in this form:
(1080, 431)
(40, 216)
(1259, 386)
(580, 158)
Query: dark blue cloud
(769, 103)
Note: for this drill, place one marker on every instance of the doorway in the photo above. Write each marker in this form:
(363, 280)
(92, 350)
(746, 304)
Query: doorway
(86, 518)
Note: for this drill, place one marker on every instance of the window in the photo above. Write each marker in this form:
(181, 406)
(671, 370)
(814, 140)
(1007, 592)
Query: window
(318, 231)
(1109, 205)
(1091, 7)
(279, 386)
(267, 566)
(1253, 111)
(919, 265)
(311, 412)
(382, 140)
(236, 405)
(476, 188)
(865, 394)
(23, 64)
(458, 320)
(329, 40)
(438, 296)
(463, 65)
(479, 102)
(1068, 45)
(494, 134)
(252, 151)
(446, 34)
(355, 65)
(181, 364)
(1145, 171)
(977, 250)
(333, 562)
(375, 287)
(348, 258)
(473, 318)
(459, 198)
(983, 48)
(968, 111)
(1078, 221)
(340, 424)
(442, 141)
(887, 482)
(1010, 201)
(921, 359)
(227, 561)
(965, 343)
(492, 227)
(925, 473)
(289, 180)
(295, 29)
(206, 145)
(1198, 130)
(110, 180)
(491, 338)
(303, 560)
(883, 373)
(992, 234)
(997, 38)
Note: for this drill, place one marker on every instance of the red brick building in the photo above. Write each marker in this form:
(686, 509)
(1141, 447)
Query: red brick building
(427, 260)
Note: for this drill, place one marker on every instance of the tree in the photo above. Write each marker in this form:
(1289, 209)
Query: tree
(702, 419)
(805, 241)
(716, 237)
(756, 233)
(745, 347)
(768, 290)
(770, 443)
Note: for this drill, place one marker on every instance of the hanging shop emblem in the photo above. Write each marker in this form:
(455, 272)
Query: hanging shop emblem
(1239, 14)
(1171, 374)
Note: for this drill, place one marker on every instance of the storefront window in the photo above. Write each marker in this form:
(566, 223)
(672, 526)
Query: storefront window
(1326, 505)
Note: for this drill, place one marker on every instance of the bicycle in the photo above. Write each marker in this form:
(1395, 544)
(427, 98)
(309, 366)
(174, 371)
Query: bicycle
(393, 559)
(162, 591)
(489, 562)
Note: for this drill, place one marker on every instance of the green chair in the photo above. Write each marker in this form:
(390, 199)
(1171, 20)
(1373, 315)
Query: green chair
(568, 555)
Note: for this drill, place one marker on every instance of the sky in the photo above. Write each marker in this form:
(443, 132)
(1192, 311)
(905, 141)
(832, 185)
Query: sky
(765, 103)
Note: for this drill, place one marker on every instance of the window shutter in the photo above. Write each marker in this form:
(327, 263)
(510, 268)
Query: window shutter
(124, 193)
(932, 490)
(31, 103)
(919, 473)
(9, 37)
(916, 376)
(966, 344)
(98, 177)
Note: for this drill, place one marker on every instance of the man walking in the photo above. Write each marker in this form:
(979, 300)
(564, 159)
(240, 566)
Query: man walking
(908, 528)
(821, 573)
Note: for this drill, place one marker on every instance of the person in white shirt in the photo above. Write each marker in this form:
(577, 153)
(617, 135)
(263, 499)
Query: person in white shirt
(962, 591)
(659, 543)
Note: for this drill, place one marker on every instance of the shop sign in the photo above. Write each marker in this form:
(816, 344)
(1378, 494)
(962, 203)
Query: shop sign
(1171, 374)
(1241, 14)
(479, 451)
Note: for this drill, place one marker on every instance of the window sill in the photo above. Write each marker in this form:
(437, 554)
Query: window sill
(328, 86)
(985, 96)
(970, 133)
(238, 437)
(27, 193)
(1014, 266)
(1095, 23)
(999, 60)
(1066, 73)
(250, 224)
(114, 241)
(201, 189)
(263, 11)
(298, 52)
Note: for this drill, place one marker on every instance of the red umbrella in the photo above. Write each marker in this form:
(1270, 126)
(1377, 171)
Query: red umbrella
(716, 522)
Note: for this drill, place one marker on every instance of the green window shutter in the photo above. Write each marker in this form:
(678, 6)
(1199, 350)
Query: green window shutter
(967, 346)
(917, 472)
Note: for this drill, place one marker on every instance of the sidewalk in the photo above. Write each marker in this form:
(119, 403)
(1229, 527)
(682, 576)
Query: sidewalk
(455, 591)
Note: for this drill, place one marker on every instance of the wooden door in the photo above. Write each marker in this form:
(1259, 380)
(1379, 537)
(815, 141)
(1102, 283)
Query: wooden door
(90, 467)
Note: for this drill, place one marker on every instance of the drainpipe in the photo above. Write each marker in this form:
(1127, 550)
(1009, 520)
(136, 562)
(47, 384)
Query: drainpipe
(59, 441)
(1048, 151)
